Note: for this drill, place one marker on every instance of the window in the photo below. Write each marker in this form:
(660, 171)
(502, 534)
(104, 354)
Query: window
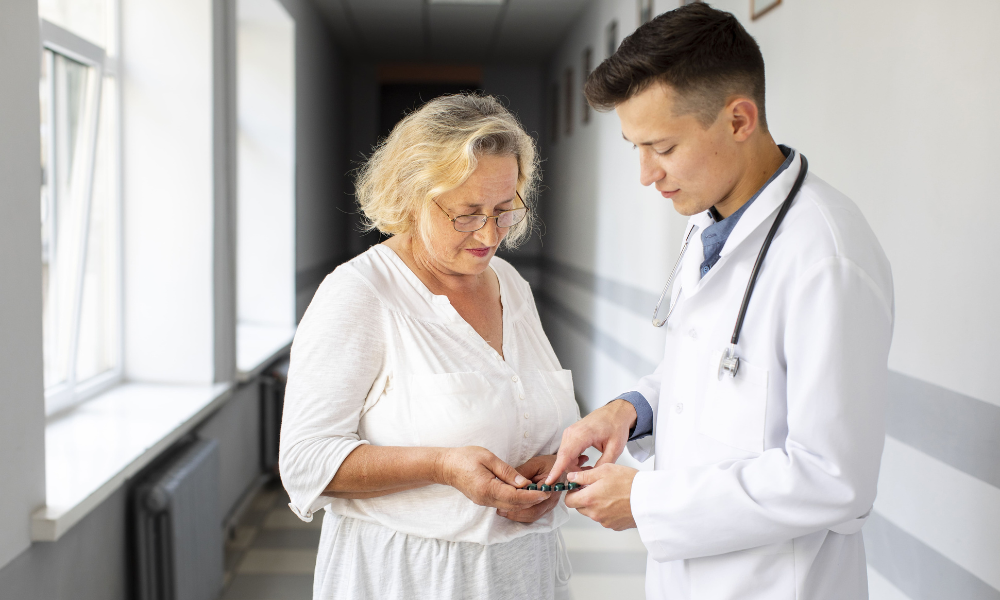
(79, 201)
(265, 201)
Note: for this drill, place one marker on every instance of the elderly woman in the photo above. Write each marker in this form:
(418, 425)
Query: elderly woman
(420, 373)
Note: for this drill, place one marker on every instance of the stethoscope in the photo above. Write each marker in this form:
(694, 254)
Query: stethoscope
(730, 362)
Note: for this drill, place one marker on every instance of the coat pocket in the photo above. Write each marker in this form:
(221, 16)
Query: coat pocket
(735, 407)
(766, 573)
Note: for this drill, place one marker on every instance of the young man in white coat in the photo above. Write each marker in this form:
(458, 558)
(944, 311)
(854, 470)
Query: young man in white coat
(762, 480)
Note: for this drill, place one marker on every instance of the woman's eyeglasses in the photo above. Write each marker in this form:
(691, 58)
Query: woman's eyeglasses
(505, 219)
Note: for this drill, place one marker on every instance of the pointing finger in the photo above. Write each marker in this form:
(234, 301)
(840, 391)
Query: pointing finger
(564, 459)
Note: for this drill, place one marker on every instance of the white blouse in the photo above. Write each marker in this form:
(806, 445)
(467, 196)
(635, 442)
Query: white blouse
(379, 359)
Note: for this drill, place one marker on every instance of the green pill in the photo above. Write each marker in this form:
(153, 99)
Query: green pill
(572, 486)
(533, 487)
(546, 488)
(559, 487)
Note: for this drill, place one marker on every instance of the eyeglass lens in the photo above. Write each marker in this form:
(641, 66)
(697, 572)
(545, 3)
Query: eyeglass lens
(509, 218)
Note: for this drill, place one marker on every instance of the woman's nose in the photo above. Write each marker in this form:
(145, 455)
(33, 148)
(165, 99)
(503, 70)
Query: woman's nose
(489, 235)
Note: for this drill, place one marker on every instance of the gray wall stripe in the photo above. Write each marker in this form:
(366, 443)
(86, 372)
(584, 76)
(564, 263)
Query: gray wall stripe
(918, 570)
(611, 563)
(617, 351)
(631, 298)
(955, 429)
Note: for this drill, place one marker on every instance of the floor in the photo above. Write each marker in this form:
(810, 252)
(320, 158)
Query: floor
(272, 554)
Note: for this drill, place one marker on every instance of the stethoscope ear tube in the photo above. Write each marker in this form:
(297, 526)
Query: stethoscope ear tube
(657, 321)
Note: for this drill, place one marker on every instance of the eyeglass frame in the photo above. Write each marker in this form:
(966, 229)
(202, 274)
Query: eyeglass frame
(487, 218)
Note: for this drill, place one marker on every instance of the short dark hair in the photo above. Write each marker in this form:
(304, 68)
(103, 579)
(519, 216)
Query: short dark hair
(703, 54)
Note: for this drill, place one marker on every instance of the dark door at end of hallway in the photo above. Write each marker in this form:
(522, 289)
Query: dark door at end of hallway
(400, 99)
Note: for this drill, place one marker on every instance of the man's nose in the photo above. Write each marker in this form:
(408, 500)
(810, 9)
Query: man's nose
(650, 170)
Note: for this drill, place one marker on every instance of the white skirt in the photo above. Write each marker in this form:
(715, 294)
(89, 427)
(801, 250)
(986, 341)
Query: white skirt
(360, 560)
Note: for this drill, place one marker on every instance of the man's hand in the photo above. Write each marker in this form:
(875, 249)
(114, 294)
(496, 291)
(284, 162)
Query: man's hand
(606, 497)
(535, 470)
(605, 429)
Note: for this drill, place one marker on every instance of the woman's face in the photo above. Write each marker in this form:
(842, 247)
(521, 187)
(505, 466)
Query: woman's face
(490, 189)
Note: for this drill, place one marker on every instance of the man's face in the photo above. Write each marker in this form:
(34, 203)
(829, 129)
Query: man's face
(694, 167)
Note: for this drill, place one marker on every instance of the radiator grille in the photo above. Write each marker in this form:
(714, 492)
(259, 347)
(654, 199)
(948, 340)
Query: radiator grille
(178, 531)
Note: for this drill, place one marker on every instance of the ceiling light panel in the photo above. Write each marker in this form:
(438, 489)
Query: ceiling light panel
(468, 2)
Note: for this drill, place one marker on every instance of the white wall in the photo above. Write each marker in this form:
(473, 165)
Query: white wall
(891, 102)
(22, 399)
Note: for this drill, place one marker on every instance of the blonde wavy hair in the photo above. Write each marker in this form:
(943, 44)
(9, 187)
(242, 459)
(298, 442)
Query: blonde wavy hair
(435, 149)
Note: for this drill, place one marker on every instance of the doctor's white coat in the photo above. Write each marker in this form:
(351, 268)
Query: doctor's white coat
(762, 482)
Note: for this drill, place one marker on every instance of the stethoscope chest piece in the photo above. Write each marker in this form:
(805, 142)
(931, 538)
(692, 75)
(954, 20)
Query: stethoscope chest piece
(729, 363)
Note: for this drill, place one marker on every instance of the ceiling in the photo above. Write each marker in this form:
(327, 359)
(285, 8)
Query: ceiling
(451, 31)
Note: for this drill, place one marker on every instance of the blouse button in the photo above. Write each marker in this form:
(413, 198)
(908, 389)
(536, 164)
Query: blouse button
(525, 434)
(514, 378)
(679, 408)
(525, 415)
(521, 396)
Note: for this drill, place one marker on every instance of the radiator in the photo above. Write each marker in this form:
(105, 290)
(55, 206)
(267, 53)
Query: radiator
(177, 530)
(272, 388)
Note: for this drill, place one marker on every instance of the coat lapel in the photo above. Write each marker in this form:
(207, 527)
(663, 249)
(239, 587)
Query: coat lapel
(764, 206)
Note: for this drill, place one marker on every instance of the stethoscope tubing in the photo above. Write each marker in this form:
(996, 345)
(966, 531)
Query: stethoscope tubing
(765, 246)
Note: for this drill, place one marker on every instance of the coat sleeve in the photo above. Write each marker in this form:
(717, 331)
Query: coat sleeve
(836, 340)
(649, 388)
(337, 355)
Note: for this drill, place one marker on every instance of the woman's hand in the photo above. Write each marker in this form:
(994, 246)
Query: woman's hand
(537, 469)
(485, 479)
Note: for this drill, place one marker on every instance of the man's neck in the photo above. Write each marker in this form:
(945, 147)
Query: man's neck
(761, 165)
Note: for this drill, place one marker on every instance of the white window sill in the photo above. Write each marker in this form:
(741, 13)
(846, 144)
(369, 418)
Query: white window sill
(257, 346)
(93, 449)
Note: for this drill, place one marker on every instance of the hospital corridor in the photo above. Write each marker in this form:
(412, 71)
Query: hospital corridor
(189, 186)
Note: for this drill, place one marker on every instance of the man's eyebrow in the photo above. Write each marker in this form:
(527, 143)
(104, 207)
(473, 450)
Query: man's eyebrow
(652, 143)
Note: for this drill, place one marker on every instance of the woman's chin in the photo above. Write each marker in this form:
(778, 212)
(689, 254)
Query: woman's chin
(468, 263)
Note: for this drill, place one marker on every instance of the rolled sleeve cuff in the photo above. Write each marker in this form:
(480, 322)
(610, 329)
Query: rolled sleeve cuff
(315, 465)
(643, 413)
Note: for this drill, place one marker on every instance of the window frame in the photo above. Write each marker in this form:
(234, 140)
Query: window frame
(58, 40)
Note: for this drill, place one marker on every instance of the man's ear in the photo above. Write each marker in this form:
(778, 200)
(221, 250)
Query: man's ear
(744, 118)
